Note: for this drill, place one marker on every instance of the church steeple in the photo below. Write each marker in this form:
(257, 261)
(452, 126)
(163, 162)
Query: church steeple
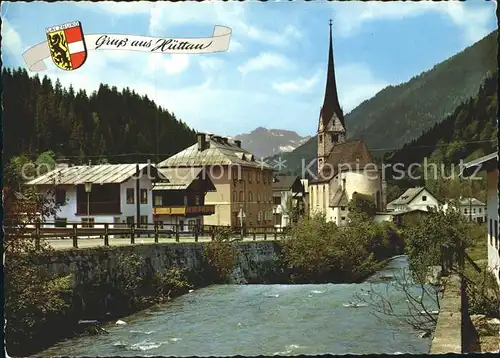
(331, 127)
(331, 103)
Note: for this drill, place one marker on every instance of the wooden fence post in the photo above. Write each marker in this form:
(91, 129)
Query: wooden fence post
(275, 234)
(106, 237)
(132, 233)
(75, 236)
(37, 235)
(195, 233)
(254, 229)
(176, 232)
(156, 232)
(212, 232)
(265, 233)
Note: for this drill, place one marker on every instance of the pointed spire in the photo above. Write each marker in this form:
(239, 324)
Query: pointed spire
(331, 103)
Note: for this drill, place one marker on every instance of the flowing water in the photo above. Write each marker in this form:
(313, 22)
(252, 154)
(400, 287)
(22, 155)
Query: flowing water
(226, 320)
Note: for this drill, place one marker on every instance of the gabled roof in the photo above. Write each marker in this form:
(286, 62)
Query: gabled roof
(181, 178)
(345, 156)
(287, 182)
(408, 196)
(96, 174)
(488, 162)
(217, 152)
(470, 201)
(339, 198)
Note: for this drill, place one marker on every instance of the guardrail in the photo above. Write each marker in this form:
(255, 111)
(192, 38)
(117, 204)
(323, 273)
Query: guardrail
(74, 231)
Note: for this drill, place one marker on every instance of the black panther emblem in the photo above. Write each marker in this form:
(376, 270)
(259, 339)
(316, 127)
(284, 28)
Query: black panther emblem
(59, 54)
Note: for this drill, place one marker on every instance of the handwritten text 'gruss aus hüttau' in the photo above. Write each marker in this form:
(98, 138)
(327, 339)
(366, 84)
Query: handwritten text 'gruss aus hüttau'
(155, 45)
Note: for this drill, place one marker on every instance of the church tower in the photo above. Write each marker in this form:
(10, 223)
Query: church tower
(331, 127)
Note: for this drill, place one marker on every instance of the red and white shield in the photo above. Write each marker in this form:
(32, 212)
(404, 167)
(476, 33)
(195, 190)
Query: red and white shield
(67, 45)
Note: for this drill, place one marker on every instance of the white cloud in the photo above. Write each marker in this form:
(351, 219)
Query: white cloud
(299, 85)
(210, 63)
(171, 64)
(265, 60)
(11, 41)
(350, 17)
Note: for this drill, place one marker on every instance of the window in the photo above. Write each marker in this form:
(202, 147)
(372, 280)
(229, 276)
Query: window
(491, 232)
(320, 138)
(158, 200)
(144, 221)
(480, 210)
(474, 210)
(159, 223)
(277, 200)
(342, 208)
(144, 196)
(185, 200)
(181, 225)
(130, 221)
(235, 196)
(258, 177)
(242, 196)
(465, 211)
(250, 196)
(250, 174)
(130, 196)
(197, 200)
(258, 197)
(496, 231)
(60, 222)
(342, 218)
(60, 196)
(87, 222)
(191, 225)
(424, 198)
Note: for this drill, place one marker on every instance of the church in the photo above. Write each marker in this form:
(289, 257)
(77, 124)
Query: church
(344, 167)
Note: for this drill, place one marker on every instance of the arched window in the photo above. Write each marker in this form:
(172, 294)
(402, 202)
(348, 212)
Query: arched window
(242, 196)
(250, 196)
(235, 196)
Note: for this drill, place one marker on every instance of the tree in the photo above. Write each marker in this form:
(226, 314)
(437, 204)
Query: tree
(361, 206)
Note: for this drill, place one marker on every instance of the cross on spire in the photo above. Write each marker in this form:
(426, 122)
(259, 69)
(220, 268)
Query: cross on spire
(330, 23)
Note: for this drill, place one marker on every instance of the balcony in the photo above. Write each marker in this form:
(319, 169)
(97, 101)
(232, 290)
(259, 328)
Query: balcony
(184, 210)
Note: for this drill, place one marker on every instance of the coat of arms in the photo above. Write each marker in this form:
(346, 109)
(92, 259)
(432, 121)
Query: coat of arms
(67, 45)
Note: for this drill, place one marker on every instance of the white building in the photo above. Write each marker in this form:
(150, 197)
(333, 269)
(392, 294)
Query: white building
(489, 163)
(471, 208)
(93, 195)
(288, 195)
(344, 167)
(413, 199)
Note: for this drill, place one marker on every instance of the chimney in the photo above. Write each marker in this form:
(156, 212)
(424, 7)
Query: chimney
(62, 163)
(238, 143)
(202, 141)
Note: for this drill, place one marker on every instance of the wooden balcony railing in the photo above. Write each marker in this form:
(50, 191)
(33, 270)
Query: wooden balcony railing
(184, 210)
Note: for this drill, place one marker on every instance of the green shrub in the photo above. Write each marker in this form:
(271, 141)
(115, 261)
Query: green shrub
(221, 255)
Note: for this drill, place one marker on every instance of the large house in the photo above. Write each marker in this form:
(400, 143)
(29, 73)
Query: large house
(471, 208)
(414, 199)
(344, 167)
(243, 184)
(122, 194)
(489, 163)
(288, 195)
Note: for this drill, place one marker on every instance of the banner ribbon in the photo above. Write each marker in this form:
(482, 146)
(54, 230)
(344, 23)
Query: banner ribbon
(219, 42)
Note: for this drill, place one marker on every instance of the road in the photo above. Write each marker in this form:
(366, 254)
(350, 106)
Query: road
(62, 244)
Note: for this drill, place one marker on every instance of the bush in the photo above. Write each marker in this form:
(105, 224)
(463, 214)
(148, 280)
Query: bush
(221, 255)
(483, 293)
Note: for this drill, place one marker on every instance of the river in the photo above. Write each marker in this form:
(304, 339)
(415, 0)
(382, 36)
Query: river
(227, 320)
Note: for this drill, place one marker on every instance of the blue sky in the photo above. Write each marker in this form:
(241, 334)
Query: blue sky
(274, 72)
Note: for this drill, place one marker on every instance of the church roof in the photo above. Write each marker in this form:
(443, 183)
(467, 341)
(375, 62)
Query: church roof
(343, 157)
(331, 104)
(287, 182)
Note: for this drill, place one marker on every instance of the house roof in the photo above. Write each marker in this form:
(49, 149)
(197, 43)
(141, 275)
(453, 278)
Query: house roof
(345, 156)
(218, 152)
(407, 196)
(488, 162)
(98, 174)
(339, 198)
(397, 213)
(287, 182)
(470, 201)
(180, 178)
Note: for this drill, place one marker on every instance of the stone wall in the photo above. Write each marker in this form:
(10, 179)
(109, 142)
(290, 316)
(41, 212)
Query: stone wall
(448, 333)
(258, 262)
